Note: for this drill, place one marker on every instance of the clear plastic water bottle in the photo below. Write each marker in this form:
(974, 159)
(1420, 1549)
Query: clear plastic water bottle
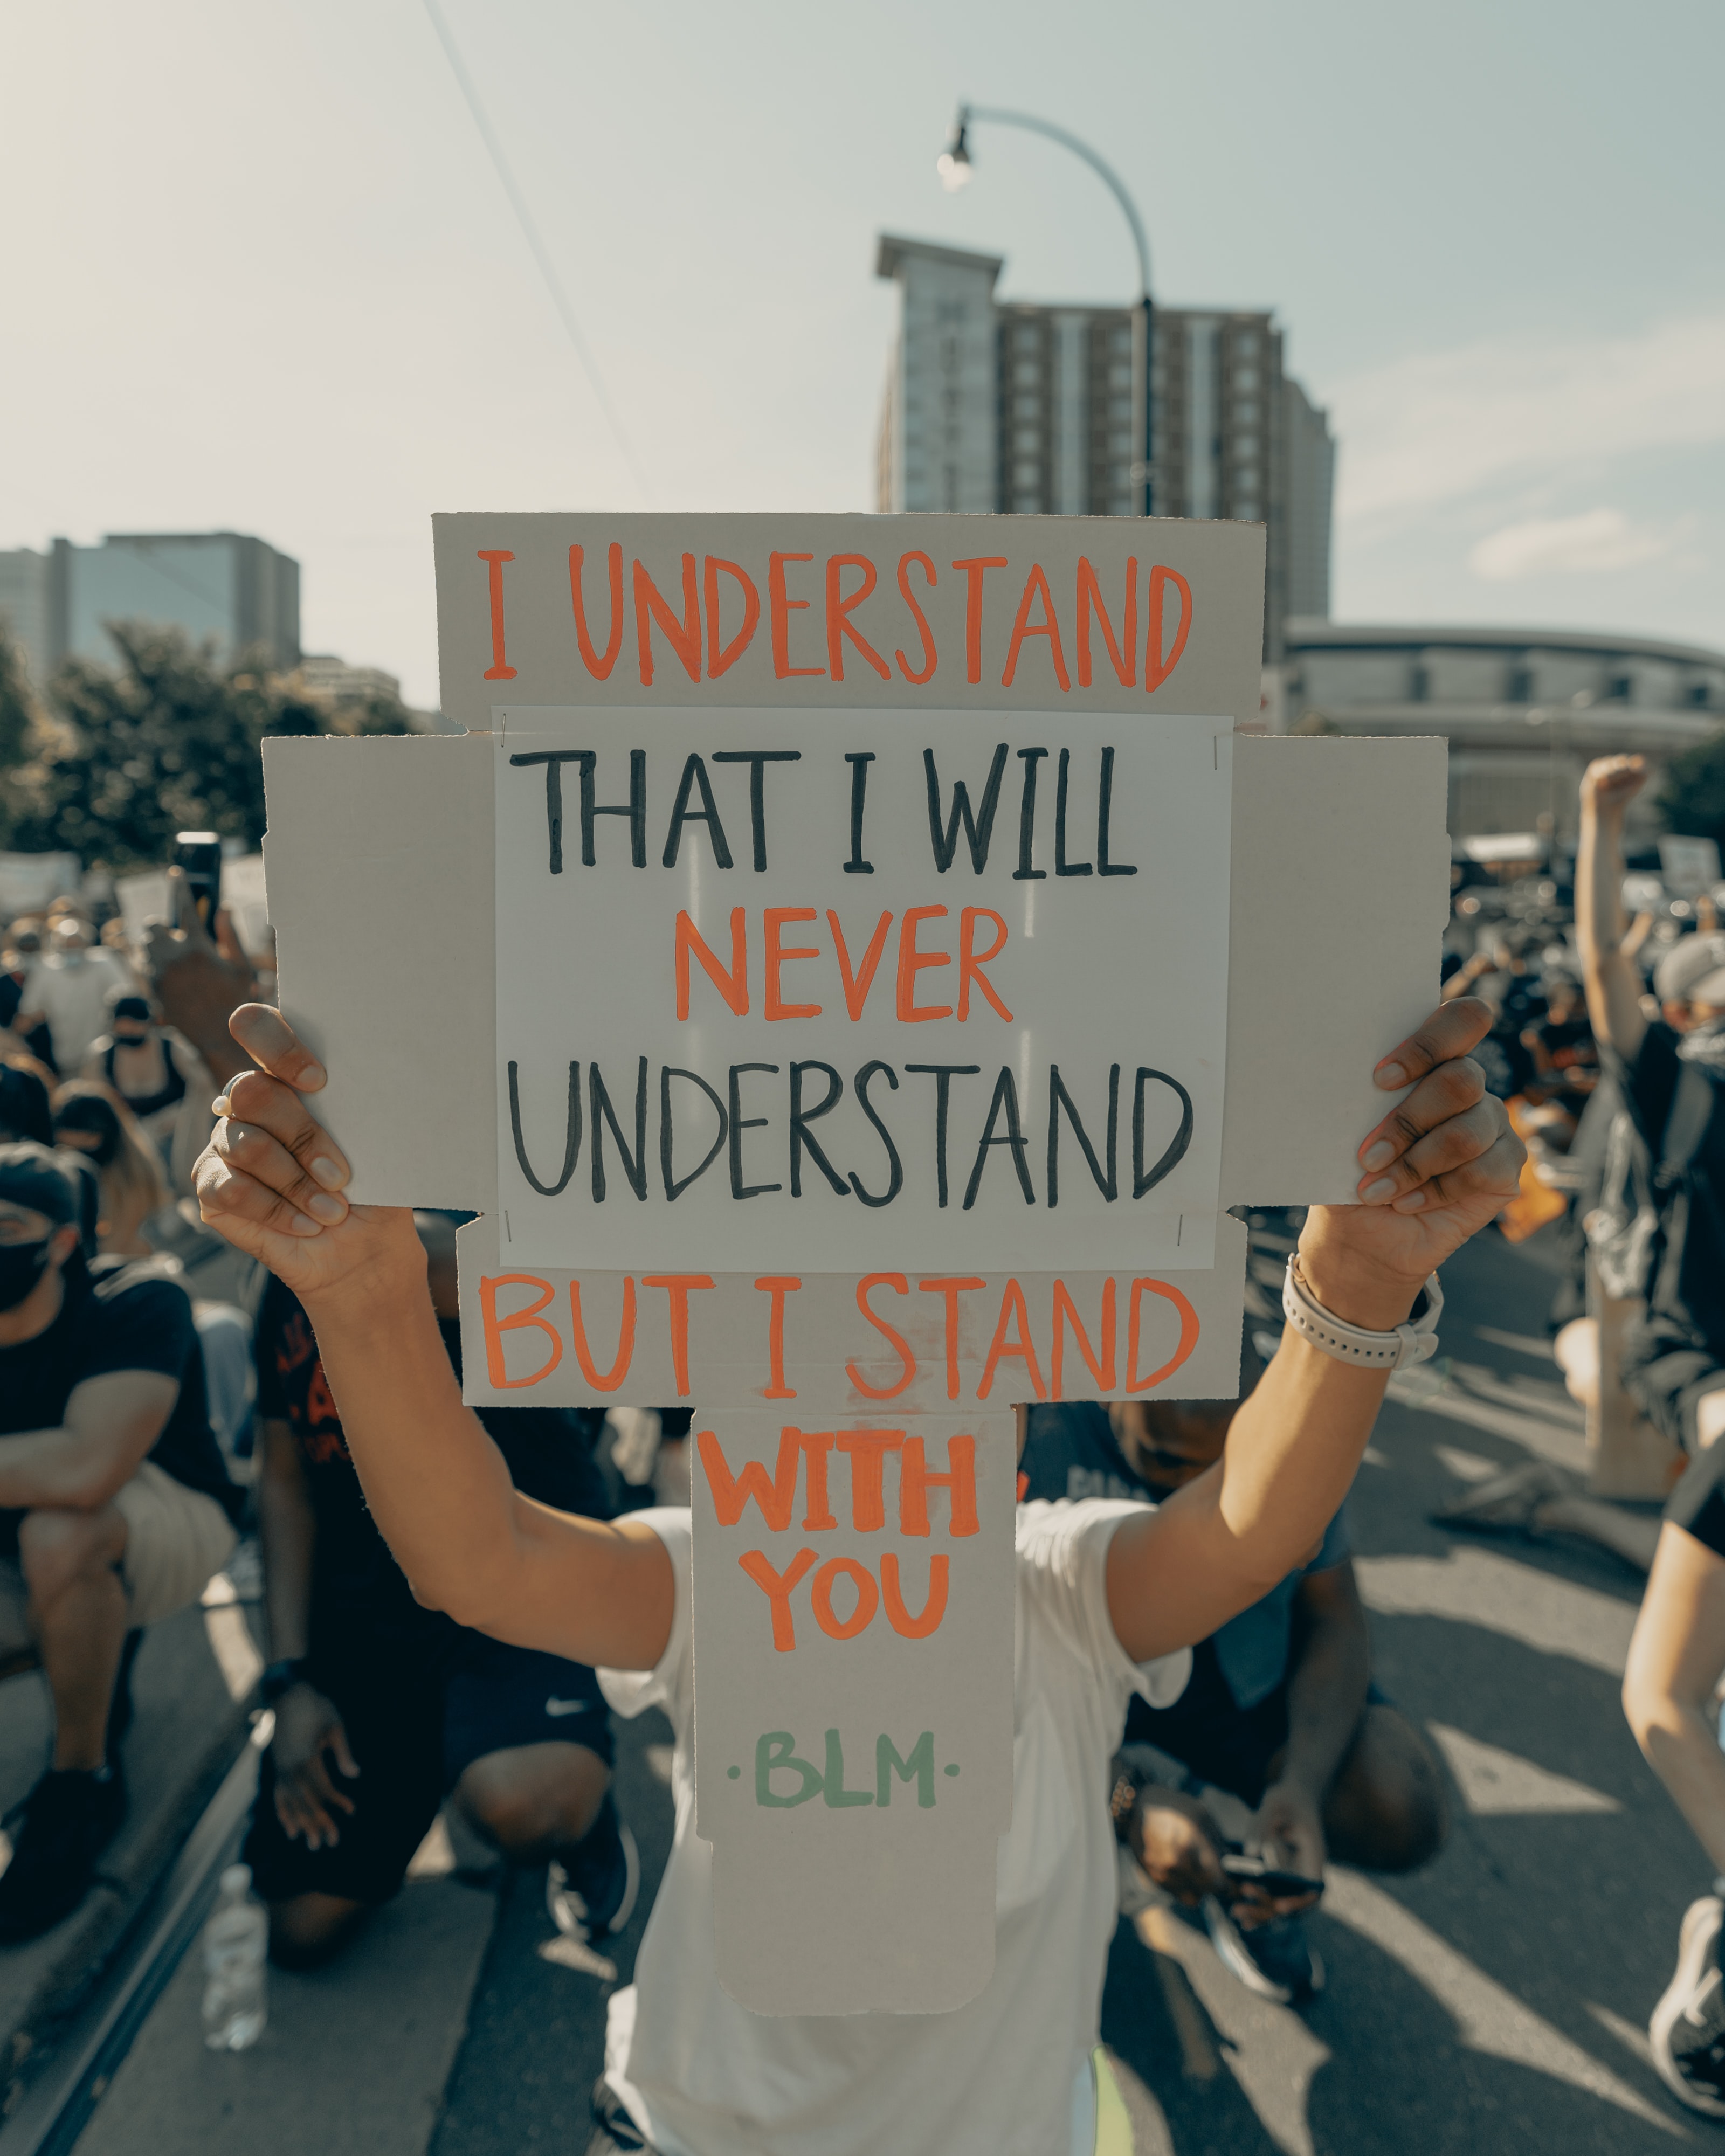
(235, 1942)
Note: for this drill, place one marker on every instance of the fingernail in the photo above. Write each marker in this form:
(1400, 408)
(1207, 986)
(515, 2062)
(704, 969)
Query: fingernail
(1378, 1156)
(312, 1078)
(331, 1173)
(1412, 1203)
(300, 1225)
(328, 1210)
(1390, 1077)
(1374, 1193)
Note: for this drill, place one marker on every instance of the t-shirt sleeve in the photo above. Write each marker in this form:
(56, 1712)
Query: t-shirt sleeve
(1063, 1572)
(1698, 1504)
(669, 1683)
(146, 1327)
(1336, 1545)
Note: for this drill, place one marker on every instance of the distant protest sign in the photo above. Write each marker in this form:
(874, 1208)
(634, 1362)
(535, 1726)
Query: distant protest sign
(826, 978)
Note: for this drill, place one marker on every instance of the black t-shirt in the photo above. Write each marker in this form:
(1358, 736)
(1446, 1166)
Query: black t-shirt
(357, 1585)
(1569, 1044)
(120, 1314)
(1698, 1504)
(1689, 1283)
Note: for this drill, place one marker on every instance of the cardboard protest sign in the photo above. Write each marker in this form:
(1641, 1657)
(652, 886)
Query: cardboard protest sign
(665, 1001)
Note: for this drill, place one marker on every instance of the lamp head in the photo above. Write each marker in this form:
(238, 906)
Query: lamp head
(954, 163)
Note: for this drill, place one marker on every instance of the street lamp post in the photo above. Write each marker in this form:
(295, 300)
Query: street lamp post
(954, 166)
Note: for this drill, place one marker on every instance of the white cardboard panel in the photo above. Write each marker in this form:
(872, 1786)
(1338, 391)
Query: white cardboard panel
(1340, 876)
(1341, 895)
(872, 1893)
(728, 1365)
(380, 876)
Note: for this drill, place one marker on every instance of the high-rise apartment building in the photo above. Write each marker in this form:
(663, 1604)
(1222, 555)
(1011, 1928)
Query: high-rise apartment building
(225, 586)
(994, 405)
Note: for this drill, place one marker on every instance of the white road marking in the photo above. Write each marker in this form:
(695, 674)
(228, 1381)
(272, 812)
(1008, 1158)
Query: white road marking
(1490, 2019)
(1483, 1587)
(1467, 1466)
(1632, 2038)
(1495, 1784)
(1523, 1343)
(1549, 1438)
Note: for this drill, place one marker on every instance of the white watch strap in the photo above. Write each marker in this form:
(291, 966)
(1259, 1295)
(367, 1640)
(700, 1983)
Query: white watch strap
(1416, 1341)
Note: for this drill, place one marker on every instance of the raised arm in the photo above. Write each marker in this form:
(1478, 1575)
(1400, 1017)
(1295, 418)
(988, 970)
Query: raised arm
(1440, 1165)
(270, 1182)
(1614, 988)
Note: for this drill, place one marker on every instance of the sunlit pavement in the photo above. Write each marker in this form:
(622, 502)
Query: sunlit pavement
(1496, 2002)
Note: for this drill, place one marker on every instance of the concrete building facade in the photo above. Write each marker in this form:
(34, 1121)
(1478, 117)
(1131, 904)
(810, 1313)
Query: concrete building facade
(1523, 710)
(1015, 406)
(237, 591)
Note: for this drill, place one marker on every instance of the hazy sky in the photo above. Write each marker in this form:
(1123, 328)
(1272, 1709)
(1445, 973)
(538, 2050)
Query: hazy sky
(261, 274)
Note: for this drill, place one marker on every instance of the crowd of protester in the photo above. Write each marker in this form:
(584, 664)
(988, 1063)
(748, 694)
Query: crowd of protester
(147, 1429)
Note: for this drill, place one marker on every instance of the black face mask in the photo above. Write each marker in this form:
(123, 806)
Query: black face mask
(130, 1040)
(21, 1264)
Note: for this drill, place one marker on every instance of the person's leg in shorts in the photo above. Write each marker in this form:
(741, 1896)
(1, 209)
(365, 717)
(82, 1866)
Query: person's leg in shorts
(527, 1755)
(322, 1867)
(78, 1582)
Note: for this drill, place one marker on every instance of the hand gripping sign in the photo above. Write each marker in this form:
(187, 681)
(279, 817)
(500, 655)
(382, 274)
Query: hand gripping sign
(850, 965)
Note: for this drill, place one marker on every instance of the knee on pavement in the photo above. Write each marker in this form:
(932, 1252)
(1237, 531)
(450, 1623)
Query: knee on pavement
(533, 1798)
(1387, 1810)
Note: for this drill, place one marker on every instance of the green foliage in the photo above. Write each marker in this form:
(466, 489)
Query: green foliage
(18, 704)
(167, 741)
(1691, 798)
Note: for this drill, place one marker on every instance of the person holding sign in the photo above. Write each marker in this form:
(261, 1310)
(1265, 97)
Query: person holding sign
(1109, 1596)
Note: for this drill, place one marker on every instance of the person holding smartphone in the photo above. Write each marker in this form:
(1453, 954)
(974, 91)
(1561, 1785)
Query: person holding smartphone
(1279, 1713)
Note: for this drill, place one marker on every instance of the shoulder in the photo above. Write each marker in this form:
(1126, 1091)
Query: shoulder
(134, 1289)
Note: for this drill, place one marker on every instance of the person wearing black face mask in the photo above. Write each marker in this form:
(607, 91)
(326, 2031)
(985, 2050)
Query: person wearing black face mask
(159, 1077)
(115, 1507)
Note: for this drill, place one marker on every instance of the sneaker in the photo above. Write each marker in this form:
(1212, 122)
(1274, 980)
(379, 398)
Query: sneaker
(1275, 1960)
(593, 1890)
(63, 1826)
(1687, 2030)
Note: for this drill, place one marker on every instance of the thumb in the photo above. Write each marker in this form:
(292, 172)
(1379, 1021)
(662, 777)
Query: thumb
(228, 940)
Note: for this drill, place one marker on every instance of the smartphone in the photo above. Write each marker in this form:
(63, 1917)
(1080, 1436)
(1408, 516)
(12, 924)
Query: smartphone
(1281, 1886)
(198, 856)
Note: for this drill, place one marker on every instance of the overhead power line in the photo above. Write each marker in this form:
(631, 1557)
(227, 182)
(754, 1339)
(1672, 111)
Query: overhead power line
(548, 271)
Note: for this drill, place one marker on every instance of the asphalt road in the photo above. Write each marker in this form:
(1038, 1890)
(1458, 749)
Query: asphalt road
(1496, 2002)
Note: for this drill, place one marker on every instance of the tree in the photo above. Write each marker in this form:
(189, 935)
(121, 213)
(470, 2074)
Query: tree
(167, 741)
(18, 704)
(1691, 797)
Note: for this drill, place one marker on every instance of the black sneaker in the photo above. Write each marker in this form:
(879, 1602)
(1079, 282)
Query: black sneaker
(1687, 2030)
(592, 1891)
(1276, 1960)
(59, 1831)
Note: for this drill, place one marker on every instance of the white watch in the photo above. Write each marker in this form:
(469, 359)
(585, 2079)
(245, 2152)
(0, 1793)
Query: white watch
(1416, 1341)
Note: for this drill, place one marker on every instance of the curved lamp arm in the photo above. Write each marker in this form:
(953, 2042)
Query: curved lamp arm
(1105, 173)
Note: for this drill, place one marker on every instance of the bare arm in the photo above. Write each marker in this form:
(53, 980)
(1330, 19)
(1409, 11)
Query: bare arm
(1614, 988)
(1439, 1165)
(1675, 1661)
(437, 1485)
(110, 1424)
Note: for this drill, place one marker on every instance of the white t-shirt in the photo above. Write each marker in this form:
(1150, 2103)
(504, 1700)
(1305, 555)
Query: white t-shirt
(72, 995)
(1008, 2075)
